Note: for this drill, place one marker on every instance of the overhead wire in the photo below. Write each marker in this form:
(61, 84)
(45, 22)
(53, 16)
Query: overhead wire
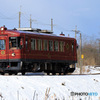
(15, 16)
(2, 16)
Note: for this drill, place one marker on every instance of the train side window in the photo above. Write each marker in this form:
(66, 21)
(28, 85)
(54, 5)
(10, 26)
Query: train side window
(45, 45)
(73, 46)
(50, 45)
(33, 44)
(61, 47)
(26, 43)
(2, 44)
(39, 44)
(56, 45)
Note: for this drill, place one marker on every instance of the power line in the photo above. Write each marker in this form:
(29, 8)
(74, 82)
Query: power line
(2, 16)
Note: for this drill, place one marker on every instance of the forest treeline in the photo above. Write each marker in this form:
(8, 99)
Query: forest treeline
(91, 52)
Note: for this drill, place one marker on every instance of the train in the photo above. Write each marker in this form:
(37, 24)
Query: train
(23, 51)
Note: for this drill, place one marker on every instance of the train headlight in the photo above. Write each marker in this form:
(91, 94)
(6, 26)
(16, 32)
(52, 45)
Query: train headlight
(2, 28)
(13, 54)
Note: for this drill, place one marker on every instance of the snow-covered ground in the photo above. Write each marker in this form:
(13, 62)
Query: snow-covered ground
(68, 87)
(88, 70)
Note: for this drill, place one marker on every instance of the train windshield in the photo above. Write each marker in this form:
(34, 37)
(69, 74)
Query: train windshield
(2, 44)
(14, 43)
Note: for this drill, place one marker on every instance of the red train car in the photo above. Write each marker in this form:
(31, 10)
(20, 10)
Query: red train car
(22, 51)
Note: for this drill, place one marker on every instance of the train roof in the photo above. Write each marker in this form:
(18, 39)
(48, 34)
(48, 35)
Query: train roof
(43, 34)
(18, 32)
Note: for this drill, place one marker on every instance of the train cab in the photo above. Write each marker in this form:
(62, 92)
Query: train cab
(10, 50)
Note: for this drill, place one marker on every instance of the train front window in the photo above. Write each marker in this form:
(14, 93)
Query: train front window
(2, 44)
(14, 42)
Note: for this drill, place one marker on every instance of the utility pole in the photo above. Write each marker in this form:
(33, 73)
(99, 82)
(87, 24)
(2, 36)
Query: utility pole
(20, 17)
(99, 46)
(51, 25)
(30, 21)
(99, 53)
(76, 31)
(81, 61)
(98, 62)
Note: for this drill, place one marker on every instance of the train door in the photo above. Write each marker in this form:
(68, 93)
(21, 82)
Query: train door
(22, 47)
(67, 48)
(3, 48)
(27, 47)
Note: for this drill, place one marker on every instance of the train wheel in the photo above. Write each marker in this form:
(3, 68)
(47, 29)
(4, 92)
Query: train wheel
(15, 73)
(59, 73)
(10, 73)
(23, 73)
(71, 70)
(48, 73)
(64, 73)
(53, 73)
(2, 73)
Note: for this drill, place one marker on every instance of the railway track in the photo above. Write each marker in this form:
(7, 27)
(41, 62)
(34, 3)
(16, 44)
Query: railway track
(45, 74)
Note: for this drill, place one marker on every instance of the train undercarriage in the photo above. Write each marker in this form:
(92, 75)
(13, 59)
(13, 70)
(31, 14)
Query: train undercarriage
(46, 67)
